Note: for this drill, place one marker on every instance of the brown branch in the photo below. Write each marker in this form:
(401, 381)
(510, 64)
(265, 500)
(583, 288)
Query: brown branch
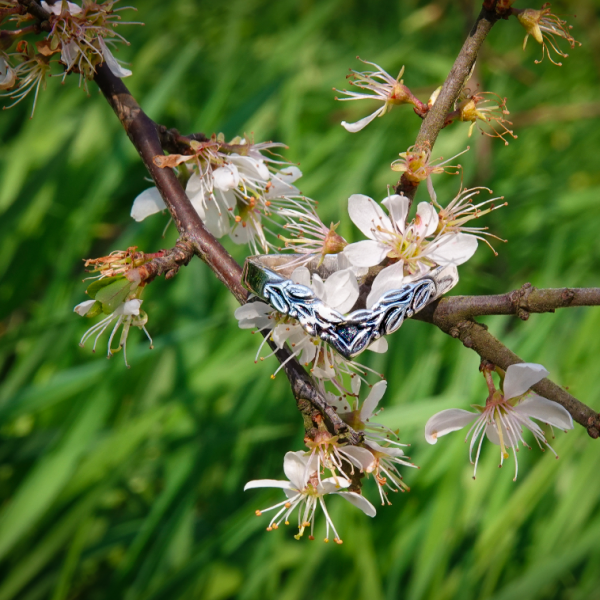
(36, 10)
(455, 316)
(168, 264)
(174, 142)
(520, 302)
(436, 117)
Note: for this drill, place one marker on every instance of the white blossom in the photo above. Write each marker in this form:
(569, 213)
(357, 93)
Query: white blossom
(8, 76)
(305, 491)
(147, 203)
(381, 442)
(57, 7)
(382, 87)
(234, 193)
(128, 313)
(113, 64)
(504, 416)
(409, 247)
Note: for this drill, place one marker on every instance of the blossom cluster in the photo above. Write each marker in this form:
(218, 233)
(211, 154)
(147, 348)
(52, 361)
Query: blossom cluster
(78, 40)
(247, 192)
(238, 189)
(331, 466)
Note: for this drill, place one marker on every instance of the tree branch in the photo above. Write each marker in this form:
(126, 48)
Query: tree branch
(520, 302)
(36, 10)
(461, 70)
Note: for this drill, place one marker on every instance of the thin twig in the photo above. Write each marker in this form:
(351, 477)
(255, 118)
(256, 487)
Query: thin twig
(460, 72)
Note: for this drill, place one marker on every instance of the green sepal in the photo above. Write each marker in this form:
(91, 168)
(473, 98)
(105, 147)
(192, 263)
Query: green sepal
(98, 284)
(95, 310)
(114, 294)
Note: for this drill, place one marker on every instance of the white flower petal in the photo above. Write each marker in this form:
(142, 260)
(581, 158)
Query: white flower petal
(318, 286)
(56, 8)
(359, 457)
(546, 411)
(147, 203)
(294, 467)
(452, 249)
(116, 69)
(427, 220)
(389, 278)
(271, 483)
(194, 185)
(398, 208)
(301, 275)
(250, 167)
(367, 253)
(8, 76)
(255, 323)
(354, 127)
(367, 215)
(281, 183)
(322, 373)
(332, 485)
(216, 220)
(430, 189)
(339, 402)
(491, 432)
(307, 350)
(380, 346)
(446, 421)
(519, 378)
(288, 174)
(225, 178)
(69, 53)
(341, 290)
(280, 335)
(83, 308)
(129, 308)
(372, 400)
(393, 452)
(253, 314)
(360, 502)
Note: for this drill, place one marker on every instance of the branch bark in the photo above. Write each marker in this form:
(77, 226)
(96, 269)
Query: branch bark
(520, 302)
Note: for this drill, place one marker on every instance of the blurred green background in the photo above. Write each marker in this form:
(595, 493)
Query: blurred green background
(119, 483)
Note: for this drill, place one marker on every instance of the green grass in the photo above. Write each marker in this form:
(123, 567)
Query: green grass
(119, 483)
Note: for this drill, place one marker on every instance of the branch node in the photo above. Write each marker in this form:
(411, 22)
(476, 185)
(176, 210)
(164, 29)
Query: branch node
(567, 295)
(522, 314)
